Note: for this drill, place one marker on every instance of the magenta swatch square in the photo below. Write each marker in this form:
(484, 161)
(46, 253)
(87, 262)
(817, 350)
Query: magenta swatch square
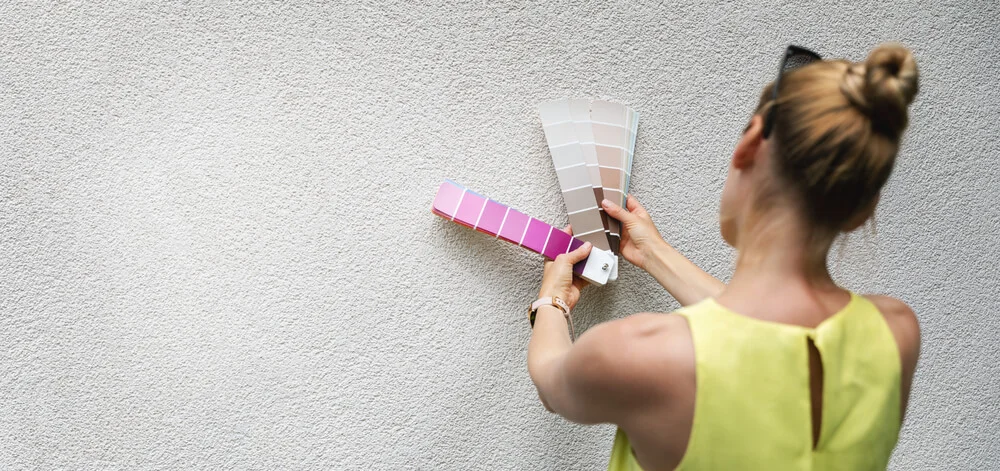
(468, 211)
(537, 233)
(492, 217)
(558, 243)
(513, 227)
(447, 199)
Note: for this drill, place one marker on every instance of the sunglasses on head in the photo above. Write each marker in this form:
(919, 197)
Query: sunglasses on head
(794, 58)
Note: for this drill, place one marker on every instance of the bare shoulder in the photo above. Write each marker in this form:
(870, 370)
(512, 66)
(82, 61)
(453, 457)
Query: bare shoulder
(898, 315)
(646, 325)
(904, 325)
(665, 337)
(646, 352)
(652, 335)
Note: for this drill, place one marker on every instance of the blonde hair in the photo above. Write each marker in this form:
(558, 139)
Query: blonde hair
(837, 130)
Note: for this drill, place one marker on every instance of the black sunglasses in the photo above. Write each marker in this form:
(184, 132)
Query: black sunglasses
(794, 58)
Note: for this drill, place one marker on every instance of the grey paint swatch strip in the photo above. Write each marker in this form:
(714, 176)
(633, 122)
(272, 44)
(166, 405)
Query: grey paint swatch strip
(575, 179)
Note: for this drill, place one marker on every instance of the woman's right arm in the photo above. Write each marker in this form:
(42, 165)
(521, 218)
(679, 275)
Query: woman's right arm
(643, 247)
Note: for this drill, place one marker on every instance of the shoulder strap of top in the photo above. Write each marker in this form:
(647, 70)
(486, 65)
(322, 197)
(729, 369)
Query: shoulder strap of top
(749, 377)
(861, 383)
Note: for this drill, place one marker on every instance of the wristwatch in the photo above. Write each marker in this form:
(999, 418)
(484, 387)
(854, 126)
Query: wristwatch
(547, 301)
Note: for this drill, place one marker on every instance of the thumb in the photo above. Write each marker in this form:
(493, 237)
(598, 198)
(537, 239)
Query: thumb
(617, 212)
(581, 253)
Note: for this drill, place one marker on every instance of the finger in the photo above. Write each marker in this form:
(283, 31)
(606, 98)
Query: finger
(625, 237)
(616, 211)
(633, 205)
(568, 229)
(580, 283)
(581, 253)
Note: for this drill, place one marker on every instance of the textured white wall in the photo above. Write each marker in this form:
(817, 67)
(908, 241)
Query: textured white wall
(217, 250)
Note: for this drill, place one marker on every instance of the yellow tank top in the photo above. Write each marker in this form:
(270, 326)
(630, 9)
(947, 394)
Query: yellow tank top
(752, 399)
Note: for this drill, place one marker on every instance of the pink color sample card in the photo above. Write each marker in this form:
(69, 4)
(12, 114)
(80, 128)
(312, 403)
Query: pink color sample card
(468, 208)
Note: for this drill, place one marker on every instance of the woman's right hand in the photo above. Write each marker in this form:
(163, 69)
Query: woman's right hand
(639, 235)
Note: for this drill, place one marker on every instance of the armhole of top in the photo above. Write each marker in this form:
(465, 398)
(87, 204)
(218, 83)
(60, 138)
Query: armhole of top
(898, 359)
(693, 434)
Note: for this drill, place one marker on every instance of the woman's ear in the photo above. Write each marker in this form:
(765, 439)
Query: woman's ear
(746, 150)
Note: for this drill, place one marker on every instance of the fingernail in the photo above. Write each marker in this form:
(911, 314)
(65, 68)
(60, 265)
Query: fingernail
(605, 202)
(587, 245)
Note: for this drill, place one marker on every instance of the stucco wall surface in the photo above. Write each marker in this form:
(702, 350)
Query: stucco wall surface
(216, 249)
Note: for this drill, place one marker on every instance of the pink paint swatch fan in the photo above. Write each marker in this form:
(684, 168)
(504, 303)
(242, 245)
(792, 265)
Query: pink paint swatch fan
(592, 144)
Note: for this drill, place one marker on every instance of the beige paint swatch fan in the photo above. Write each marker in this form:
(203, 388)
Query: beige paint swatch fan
(592, 144)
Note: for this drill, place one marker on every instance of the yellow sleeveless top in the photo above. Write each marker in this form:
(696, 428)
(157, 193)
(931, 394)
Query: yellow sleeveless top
(752, 399)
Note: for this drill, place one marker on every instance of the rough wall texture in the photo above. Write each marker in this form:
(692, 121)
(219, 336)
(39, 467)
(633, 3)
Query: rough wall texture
(217, 249)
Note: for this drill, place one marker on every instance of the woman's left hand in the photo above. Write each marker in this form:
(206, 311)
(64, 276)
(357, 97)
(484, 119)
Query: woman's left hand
(558, 279)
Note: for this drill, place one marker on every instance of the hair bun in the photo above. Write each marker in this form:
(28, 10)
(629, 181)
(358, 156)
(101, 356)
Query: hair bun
(890, 84)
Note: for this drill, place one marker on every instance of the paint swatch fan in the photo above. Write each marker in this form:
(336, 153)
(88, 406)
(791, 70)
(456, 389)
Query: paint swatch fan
(592, 146)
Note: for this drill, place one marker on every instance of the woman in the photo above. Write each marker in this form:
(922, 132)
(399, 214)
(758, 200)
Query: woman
(780, 368)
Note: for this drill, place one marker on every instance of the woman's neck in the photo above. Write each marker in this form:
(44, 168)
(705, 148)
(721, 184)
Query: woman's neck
(781, 252)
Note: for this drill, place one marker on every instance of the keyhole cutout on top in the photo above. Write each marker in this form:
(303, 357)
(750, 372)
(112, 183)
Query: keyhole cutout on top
(815, 390)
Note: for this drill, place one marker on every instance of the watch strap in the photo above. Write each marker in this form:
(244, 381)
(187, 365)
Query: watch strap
(551, 301)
